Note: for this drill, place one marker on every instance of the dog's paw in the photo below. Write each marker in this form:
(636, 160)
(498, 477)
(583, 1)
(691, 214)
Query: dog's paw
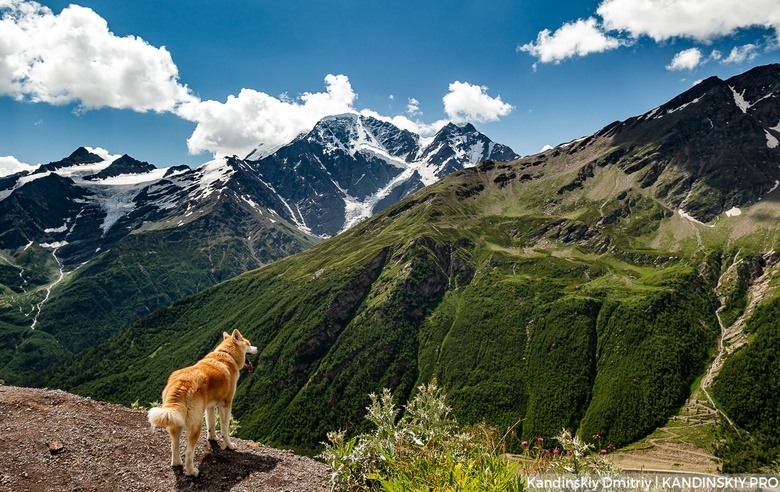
(193, 473)
(213, 437)
(176, 462)
(229, 444)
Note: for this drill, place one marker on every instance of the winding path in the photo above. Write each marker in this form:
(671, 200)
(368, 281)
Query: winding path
(716, 364)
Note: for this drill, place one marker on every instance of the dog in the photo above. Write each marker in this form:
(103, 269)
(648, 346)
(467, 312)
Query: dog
(197, 389)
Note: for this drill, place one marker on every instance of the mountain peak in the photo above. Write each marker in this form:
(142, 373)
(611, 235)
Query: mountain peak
(78, 157)
(457, 128)
(123, 165)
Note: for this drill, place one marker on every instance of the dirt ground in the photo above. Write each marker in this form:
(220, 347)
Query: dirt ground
(667, 456)
(56, 441)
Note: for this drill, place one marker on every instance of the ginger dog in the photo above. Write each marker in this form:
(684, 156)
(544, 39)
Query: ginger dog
(197, 389)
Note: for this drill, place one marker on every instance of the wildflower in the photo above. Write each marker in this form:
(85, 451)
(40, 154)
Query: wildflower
(539, 439)
(603, 451)
(524, 443)
(556, 451)
(596, 437)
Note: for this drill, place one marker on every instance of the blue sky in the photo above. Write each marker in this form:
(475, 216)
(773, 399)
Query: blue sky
(177, 82)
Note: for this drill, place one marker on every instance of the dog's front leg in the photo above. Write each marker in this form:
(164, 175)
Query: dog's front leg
(224, 420)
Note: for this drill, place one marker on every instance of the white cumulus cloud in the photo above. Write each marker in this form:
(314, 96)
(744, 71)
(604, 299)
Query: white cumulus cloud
(74, 58)
(578, 38)
(623, 22)
(11, 165)
(686, 60)
(469, 102)
(413, 108)
(741, 53)
(702, 20)
(241, 123)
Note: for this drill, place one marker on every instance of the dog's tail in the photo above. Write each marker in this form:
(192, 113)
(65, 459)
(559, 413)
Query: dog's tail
(165, 417)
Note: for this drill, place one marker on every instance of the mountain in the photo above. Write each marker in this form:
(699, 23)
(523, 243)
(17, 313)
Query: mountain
(596, 287)
(92, 242)
(349, 167)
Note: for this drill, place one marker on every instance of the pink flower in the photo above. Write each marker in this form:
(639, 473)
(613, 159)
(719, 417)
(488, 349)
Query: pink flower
(603, 451)
(539, 439)
(556, 451)
(525, 443)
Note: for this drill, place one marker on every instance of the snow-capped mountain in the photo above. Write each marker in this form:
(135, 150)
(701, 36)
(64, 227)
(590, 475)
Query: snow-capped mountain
(344, 170)
(85, 203)
(349, 167)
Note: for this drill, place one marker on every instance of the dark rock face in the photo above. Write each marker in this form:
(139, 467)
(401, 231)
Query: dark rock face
(123, 165)
(709, 149)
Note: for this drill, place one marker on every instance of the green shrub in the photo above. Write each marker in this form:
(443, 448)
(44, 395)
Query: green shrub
(425, 449)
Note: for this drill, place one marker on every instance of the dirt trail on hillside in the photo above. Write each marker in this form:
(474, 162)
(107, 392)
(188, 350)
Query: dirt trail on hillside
(664, 454)
(55, 441)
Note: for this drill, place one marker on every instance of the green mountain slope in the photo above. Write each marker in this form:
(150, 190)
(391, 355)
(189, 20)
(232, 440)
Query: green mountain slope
(566, 289)
(507, 306)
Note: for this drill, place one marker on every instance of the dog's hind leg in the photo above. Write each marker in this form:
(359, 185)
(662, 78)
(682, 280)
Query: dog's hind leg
(175, 433)
(193, 431)
(210, 423)
(224, 421)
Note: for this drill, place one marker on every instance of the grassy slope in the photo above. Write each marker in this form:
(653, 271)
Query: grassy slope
(515, 301)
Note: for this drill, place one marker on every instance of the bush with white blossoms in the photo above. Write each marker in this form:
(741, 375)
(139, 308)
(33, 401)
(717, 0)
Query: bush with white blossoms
(424, 449)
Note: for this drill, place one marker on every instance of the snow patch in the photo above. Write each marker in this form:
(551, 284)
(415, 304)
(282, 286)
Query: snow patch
(62, 228)
(690, 217)
(733, 212)
(356, 211)
(652, 113)
(680, 108)
(133, 179)
(251, 203)
(211, 172)
(771, 140)
(54, 245)
(740, 100)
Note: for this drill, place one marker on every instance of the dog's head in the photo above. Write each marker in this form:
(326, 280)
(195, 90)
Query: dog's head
(244, 345)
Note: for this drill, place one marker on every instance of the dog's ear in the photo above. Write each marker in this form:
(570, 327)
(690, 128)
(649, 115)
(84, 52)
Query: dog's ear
(225, 335)
(237, 336)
